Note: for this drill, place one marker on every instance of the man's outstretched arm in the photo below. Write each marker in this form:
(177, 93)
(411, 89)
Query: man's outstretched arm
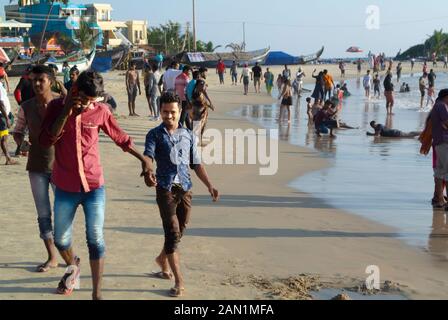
(203, 176)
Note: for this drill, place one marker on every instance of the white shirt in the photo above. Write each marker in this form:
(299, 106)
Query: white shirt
(247, 72)
(367, 82)
(169, 79)
(4, 98)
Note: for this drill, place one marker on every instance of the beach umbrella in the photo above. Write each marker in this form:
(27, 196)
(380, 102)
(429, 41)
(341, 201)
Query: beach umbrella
(354, 50)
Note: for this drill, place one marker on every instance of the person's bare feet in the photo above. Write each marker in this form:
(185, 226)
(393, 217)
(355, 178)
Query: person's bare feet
(10, 162)
(97, 296)
(164, 266)
(46, 266)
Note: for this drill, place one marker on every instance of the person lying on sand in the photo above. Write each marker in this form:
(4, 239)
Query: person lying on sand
(382, 131)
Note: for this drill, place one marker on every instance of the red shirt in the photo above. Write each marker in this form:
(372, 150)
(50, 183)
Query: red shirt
(221, 67)
(77, 165)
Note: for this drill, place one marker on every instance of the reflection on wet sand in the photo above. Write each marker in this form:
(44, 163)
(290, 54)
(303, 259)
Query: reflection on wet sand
(400, 182)
(438, 239)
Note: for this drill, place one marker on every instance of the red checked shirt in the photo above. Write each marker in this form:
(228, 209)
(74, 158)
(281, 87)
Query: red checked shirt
(77, 165)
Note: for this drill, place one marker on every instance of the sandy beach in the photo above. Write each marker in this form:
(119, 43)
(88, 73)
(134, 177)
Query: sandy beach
(261, 234)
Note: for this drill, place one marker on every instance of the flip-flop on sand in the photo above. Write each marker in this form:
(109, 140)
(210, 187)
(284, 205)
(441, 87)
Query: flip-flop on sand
(161, 275)
(177, 292)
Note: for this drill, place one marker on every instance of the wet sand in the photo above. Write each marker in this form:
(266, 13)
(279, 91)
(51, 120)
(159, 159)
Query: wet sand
(261, 228)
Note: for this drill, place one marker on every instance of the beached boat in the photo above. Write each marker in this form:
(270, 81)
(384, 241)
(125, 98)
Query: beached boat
(78, 59)
(277, 58)
(18, 66)
(110, 59)
(312, 57)
(210, 59)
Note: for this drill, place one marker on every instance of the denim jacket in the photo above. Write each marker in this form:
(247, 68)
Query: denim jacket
(174, 155)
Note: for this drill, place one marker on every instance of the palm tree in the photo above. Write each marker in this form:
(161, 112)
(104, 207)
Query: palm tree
(437, 42)
(85, 36)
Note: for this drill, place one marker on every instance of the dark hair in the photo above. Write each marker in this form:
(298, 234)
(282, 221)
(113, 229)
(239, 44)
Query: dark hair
(372, 123)
(154, 67)
(329, 103)
(43, 69)
(308, 100)
(169, 97)
(91, 83)
(186, 68)
(74, 69)
(203, 69)
(196, 75)
(53, 66)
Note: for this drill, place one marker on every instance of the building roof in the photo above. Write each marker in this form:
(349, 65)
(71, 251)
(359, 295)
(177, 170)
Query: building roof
(111, 25)
(100, 6)
(137, 22)
(14, 24)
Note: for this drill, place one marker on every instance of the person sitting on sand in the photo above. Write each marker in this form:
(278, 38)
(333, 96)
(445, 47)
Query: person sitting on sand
(345, 90)
(382, 131)
(403, 88)
(323, 121)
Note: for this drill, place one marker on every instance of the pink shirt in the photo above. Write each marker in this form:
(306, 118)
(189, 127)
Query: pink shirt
(77, 164)
(181, 83)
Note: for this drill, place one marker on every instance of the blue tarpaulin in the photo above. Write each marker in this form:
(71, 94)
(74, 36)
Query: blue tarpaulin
(280, 58)
(102, 65)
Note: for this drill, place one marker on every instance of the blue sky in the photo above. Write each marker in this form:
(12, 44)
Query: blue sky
(295, 26)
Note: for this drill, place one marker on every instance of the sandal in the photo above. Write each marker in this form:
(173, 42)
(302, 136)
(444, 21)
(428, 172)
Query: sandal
(71, 280)
(162, 275)
(177, 292)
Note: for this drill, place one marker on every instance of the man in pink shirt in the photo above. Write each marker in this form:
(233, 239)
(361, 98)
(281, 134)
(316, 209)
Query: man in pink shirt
(72, 127)
(181, 84)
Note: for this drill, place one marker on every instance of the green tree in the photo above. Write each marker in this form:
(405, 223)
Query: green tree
(170, 39)
(85, 36)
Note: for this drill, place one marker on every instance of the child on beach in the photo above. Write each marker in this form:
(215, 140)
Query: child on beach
(315, 108)
(286, 98)
(376, 87)
(279, 82)
(309, 112)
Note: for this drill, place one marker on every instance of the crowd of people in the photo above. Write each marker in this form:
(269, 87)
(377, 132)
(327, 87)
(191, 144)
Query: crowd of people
(61, 122)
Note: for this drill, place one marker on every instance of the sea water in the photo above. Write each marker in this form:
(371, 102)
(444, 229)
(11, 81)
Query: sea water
(385, 180)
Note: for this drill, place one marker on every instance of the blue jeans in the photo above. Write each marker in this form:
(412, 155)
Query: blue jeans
(235, 77)
(155, 101)
(40, 186)
(93, 203)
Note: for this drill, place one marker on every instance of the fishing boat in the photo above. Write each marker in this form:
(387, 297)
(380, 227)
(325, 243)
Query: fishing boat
(282, 58)
(312, 57)
(210, 59)
(110, 59)
(18, 66)
(79, 59)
